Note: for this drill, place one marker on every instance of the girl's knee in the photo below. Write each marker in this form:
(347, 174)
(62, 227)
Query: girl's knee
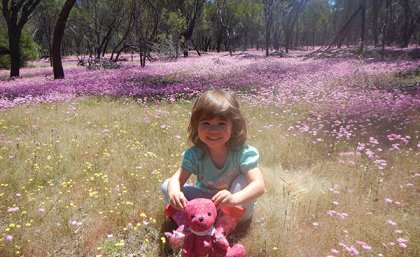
(164, 189)
(239, 183)
(249, 211)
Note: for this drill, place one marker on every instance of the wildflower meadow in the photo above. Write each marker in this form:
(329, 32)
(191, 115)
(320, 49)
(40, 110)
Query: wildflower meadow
(82, 158)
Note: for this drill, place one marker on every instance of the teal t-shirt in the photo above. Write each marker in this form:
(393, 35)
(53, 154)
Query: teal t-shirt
(211, 179)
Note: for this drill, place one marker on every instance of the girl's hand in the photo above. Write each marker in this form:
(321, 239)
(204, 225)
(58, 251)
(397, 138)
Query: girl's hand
(223, 197)
(178, 201)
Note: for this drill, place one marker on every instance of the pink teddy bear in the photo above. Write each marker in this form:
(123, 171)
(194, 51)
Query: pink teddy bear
(198, 236)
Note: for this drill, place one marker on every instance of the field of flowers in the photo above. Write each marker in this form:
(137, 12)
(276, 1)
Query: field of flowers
(82, 159)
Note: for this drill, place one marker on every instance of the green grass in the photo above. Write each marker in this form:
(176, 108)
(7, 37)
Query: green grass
(86, 177)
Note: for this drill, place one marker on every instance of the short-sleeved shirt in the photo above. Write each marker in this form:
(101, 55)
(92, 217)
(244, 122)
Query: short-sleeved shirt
(212, 179)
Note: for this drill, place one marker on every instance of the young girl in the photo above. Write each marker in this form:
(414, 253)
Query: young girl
(225, 167)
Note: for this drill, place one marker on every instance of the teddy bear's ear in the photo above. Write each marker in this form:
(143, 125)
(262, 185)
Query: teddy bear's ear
(169, 210)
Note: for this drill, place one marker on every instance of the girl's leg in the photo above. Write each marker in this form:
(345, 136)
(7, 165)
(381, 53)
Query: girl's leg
(226, 223)
(237, 185)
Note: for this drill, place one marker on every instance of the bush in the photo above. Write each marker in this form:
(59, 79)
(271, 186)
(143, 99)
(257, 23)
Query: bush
(95, 63)
(30, 50)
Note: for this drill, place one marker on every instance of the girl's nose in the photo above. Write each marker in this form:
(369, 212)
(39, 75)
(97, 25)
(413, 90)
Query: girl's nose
(214, 127)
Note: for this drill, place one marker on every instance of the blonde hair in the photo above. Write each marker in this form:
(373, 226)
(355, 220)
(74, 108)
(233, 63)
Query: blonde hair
(218, 102)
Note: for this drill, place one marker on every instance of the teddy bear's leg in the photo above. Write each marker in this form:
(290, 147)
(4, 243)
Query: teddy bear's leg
(237, 250)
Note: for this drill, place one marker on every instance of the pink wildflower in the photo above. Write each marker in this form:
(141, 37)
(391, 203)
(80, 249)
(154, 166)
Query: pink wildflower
(392, 223)
(13, 209)
(388, 200)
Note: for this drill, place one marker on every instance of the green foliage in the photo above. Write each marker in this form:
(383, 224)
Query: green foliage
(173, 22)
(4, 60)
(30, 50)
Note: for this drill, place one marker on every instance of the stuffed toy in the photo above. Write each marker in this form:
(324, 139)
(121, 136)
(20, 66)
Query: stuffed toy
(197, 234)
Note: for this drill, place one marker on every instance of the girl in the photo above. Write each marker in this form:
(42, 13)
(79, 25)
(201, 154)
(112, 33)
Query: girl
(225, 167)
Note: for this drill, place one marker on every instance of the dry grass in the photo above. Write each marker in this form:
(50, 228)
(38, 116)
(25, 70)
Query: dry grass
(85, 176)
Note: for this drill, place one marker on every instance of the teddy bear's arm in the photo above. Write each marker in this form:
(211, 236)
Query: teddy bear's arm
(220, 241)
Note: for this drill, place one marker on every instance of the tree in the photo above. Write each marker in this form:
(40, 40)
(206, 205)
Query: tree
(16, 14)
(58, 37)
(174, 24)
(363, 26)
(229, 19)
(193, 14)
(411, 20)
(145, 29)
(290, 14)
(314, 20)
(375, 16)
(268, 7)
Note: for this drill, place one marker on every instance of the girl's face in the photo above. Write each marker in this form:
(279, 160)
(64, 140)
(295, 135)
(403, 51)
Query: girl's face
(215, 132)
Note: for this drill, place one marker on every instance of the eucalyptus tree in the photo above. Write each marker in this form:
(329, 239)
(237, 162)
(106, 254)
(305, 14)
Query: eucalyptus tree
(123, 31)
(229, 18)
(205, 31)
(269, 8)
(58, 36)
(185, 15)
(145, 30)
(291, 10)
(16, 14)
(4, 50)
(315, 19)
(215, 32)
(101, 18)
(410, 10)
(250, 17)
(192, 13)
(376, 7)
(43, 22)
(173, 23)
(363, 26)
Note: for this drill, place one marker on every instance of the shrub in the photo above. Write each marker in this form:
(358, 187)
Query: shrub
(30, 50)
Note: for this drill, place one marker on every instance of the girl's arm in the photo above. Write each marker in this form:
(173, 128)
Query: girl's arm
(176, 197)
(252, 191)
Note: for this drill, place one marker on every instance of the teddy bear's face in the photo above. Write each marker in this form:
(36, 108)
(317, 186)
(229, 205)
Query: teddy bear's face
(200, 214)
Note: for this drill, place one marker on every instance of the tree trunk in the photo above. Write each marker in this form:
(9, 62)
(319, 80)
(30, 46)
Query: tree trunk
(286, 41)
(362, 28)
(375, 9)
(14, 47)
(409, 24)
(58, 37)
(267, 37)
(16, 16)
(391, 25)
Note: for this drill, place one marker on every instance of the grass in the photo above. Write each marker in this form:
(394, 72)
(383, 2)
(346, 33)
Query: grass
(82, 178)
(85, 176)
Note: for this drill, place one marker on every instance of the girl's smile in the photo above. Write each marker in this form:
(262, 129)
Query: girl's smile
(215, 132)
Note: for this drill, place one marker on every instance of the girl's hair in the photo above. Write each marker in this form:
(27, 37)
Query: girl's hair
(217, 102)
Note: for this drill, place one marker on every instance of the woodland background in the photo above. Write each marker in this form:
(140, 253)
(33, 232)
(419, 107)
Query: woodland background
(33, 29)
